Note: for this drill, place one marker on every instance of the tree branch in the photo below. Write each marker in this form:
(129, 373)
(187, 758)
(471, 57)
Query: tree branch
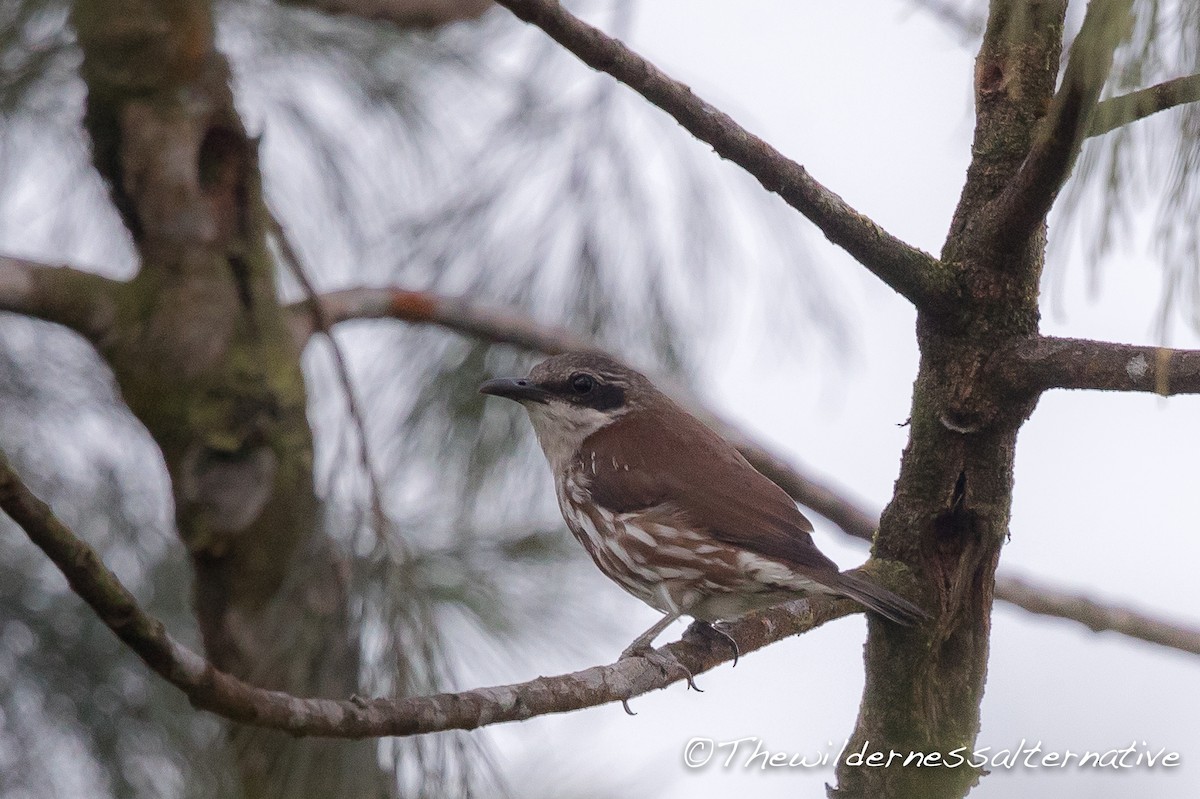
(1098, 617)
(913, 273)
(1024, 204)
(1117, 111)
(81, 301)
(458, 314)
(1047, 362)
(207, 688)
(402, 13)
(1042, 356)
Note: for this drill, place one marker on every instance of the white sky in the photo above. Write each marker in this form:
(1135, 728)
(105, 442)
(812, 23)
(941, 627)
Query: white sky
(875, 100)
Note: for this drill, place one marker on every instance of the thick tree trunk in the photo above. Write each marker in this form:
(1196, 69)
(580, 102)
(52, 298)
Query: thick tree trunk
(204, 356)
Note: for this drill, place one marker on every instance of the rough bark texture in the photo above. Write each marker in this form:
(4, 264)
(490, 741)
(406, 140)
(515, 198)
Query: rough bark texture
(204, 356)
(949, 515)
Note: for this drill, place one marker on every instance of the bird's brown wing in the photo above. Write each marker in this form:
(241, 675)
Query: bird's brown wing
(666, 457)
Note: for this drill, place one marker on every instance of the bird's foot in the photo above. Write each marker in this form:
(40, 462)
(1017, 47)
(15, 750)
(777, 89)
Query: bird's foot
(711, 630)
(664, 663)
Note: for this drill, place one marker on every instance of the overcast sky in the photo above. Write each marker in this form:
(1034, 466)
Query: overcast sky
(874, 99)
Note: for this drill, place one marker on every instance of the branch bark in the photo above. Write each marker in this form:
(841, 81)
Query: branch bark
(81, 301)
(209, 688)
(1045, 362)
(911, 272)
(1023, 206)
(1117, 111)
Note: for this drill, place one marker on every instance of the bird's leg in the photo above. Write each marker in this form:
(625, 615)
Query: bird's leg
(708, 628)
(641, 644)
(641, 648)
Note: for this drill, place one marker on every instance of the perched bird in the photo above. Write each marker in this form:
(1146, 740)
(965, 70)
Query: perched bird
(668, 508)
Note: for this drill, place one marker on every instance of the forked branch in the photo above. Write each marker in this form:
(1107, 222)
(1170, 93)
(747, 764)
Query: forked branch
(1023, 205)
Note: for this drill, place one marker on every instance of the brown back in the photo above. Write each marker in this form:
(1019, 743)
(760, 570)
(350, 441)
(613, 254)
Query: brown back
(675, 460)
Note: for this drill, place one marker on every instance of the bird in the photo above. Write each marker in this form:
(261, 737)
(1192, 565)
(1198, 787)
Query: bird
(669, 509)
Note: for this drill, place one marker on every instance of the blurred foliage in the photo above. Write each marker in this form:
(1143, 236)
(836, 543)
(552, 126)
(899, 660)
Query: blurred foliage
(1143, 175)
(480, 159)
(69, 690)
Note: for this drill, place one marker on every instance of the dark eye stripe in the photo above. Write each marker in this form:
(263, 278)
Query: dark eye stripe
(604, 396)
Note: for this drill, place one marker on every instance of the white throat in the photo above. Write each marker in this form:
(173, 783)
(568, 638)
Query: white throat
(562, 427)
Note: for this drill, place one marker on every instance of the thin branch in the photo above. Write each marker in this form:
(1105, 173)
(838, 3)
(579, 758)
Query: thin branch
(913, 273)
(216, 691)
(458, 314)
(1024, 204)
(1098, 617)
(1117, 111)
(402, 13)
(319, 322)
(1048, 362)
(1041, 357)
(81, 301)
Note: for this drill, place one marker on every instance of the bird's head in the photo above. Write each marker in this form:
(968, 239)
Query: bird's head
(569, 397)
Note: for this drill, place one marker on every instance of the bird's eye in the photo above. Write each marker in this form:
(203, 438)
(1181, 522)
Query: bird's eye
(583, 383)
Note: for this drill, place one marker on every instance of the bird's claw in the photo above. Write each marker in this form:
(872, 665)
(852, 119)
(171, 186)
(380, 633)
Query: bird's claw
(710, 629)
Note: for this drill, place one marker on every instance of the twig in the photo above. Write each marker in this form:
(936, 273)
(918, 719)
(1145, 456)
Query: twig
(210, 689)
(913, 273)
(321, 323)
(1098, 617)
(1117, 111)
(454, 313)
(402, 13)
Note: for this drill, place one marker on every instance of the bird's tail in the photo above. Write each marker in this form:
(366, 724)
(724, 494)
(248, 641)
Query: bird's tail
(879, 599)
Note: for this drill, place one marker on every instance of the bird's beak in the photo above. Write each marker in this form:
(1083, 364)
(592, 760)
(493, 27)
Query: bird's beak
(521, 389)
